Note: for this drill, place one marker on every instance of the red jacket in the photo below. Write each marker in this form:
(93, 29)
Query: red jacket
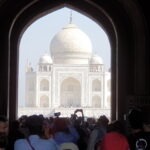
(114, 141)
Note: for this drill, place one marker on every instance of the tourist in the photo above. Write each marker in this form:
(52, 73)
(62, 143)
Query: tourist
(3, 132)
(98, 133)
(35, 141)
(115, 139)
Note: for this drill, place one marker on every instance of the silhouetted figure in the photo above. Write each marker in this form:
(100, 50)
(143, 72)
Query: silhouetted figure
(3, 132)
(35, 141)
(143, 142)
(115, 139)
(98, 133)
(135, 119)
(64, 131)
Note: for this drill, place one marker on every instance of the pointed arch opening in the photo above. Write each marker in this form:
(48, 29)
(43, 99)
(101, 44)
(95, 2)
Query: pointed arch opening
(45, 10)
(70, 93)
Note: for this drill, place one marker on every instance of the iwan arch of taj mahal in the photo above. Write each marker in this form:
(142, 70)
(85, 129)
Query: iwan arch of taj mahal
(69, 78)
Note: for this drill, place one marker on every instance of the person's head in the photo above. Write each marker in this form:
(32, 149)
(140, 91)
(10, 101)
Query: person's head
(135, 118)
(3, 125)
(103, 120)
(22, 120)
(61, 125)
(48, 131)
(116, 126)
(3, 131)
(35, 124)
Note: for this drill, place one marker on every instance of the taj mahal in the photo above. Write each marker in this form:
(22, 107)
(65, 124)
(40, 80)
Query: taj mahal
(70, 77)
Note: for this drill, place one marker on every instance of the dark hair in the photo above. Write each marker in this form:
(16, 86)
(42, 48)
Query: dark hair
(117, 126)
(103, 120)
(3, 118)
(61, 125)
(135, 118)
(35, 123)
(3, 137)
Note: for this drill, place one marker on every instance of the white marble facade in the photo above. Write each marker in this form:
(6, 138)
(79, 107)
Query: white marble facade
(70, 77)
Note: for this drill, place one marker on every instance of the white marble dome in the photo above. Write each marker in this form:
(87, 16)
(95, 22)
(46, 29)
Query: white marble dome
(45, 59)
(71, 45)
(95, 59)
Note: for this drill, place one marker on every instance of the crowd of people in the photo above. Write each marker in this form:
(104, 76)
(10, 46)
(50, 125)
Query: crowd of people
(37, 132)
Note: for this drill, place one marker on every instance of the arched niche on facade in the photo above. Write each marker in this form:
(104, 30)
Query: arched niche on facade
(70, 93)
(120, 23)
(44, 85)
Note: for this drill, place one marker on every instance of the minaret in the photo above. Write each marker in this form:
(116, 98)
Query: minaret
(70, 19)
(28, 67)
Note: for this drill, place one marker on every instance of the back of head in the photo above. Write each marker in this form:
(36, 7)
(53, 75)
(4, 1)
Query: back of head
(61, 125)
(135, 118)
(103, 120)
(3, 125)
(117, 126)
(3, 131)
(35, 123)
(3, 118)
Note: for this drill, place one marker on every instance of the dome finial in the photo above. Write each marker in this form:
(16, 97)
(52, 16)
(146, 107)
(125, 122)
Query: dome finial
(70, 19)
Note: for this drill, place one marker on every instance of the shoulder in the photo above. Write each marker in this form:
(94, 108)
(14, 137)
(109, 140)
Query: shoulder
(20, 144)
(20, 141)
(50, 144)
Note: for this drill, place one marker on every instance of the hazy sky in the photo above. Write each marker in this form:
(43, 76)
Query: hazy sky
(36, 40)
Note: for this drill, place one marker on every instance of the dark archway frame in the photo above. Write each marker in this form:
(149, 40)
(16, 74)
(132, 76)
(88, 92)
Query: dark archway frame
(118, 23)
